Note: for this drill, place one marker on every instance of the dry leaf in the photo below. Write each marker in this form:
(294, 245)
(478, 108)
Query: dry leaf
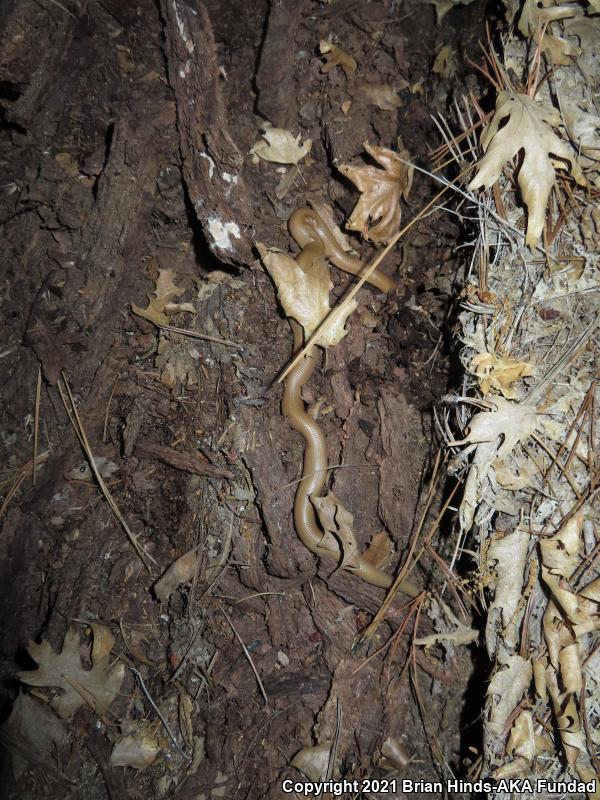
(509, 420)
(380, 550)
(561, 555)
(395, 755)
(510, 556)
(31, 733)
(83, 472)
(138, 750)
(536, 13)
(337, 522)
(499, 373)
(97, 686)
(381, 95)
(280, 146)
(521, 741)
(313, 761)
(186, 706)
(336, 57)
(445, 62)
(506, 688)
(161, 305)
(180, 571)
(521, 123)
(381, 192)
(583, 128)
(305, 295)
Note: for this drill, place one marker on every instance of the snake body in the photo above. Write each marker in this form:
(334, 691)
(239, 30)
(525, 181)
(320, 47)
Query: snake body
(316, 241)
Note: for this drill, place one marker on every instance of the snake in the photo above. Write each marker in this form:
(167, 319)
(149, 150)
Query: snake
(317, 241)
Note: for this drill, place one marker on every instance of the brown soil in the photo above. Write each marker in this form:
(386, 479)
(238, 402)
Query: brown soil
(101, 185)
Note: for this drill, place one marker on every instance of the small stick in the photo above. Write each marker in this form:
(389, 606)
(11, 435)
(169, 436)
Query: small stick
(246, 653)
(36, 424)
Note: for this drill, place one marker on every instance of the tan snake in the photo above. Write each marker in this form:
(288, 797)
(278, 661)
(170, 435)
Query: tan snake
(316, 241)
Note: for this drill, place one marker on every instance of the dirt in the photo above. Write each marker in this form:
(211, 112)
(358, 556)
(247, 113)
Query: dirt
(102, 185)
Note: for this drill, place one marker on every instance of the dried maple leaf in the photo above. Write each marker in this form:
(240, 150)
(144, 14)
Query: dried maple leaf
(160, 301)
(280, 146)
(305, 295)
(506, 425)
(97, 686)
(381, 192)
(521, 123)
(336, 57)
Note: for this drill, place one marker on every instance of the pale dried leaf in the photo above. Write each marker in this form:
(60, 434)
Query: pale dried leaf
(584, 130)
(521, 741)
(380, 550)
(499, 373)
(520, 123)
(377, 214)
(280, 146)
(510, 555)
(445, 62)
(537, 12)
(560, 557)
(381, 95)
(138, 750)
(336, 57)
(31, 733)
(395, 754)
(186, 706)
(304, 295)
(338, 522)
(506, 688)
(97, 686)
(180, 571)
(313, 761)
(160, 302)
(512, 422)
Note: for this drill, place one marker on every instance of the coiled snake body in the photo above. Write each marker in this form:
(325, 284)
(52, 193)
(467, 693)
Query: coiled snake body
(316, 241)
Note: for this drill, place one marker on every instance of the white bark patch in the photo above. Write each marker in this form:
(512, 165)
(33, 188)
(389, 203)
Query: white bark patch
(221, 233)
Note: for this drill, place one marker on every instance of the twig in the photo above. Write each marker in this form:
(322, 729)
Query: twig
(36, 423)
(75, 420)
(246, 653)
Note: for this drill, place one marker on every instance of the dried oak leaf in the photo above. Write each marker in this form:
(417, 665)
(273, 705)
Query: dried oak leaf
(160, 301)
(305, 295)
(97, 686)
(381, 192)
(280, 146)
(336, 57)
(337, 522)
(521, 123)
